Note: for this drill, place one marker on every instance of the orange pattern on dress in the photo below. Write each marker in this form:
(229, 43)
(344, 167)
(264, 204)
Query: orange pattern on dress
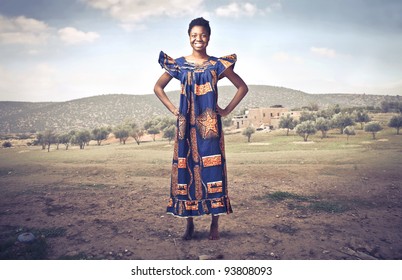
(182, 162)
(189, 80)
(214, 160)
(192, 111)
(207, 123)
(217, 203)
(170, 204)
(215, 187)
(197, 181)
(176, 146)
(202, 89)
(194, 145)
(181, 189)
(192, 205)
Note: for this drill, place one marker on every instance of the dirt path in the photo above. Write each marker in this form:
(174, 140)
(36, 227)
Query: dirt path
(99, 212)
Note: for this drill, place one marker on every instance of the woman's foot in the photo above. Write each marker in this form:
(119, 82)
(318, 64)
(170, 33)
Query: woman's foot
(214, 232)
(188, 235)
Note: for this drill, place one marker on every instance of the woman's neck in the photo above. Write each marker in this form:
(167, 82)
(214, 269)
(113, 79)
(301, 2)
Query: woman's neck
(197, 57)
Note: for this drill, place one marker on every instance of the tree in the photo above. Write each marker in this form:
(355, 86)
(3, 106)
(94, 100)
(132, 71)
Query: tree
(227, 121)
(165, 122)
(391, 106)
(396, 122)
(40, 140)
(323, 125)
(65, 139)
(82, 138)
(248, 131)
(307, 116)
(305, 129)
(136, 132)
(122, 133)
(100, 134)
(49, 138)
(153, 126)
(372, 127)
(169, 132)
(349, 130)
(288, 123)
(342, 120)
(362, 117)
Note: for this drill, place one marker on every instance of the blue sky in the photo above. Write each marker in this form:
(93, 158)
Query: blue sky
(58, 50)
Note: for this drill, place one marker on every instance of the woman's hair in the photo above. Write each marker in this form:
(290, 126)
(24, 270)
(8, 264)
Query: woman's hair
(199, 22)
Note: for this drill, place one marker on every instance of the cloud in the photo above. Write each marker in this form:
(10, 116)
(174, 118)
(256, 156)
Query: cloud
(325, 52)
(72, 36)
(23, 31)
(247, 9)
(28, 84)
(132, 13)
(236, 10)
(285, 57)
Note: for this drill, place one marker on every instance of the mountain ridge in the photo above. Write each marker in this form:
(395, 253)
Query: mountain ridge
(114, 109)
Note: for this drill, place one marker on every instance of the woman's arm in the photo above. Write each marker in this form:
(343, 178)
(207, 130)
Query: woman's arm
(242, 90)
(159, 91)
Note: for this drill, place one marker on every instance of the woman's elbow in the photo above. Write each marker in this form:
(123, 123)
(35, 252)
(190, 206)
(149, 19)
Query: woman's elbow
(245, 89)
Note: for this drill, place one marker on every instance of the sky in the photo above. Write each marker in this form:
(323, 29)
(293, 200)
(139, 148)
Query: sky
(59, 50)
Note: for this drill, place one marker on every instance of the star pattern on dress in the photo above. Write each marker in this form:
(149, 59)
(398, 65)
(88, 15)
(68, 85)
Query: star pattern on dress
(208, 124)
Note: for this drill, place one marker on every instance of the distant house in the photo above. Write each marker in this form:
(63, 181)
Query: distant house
(263, 118)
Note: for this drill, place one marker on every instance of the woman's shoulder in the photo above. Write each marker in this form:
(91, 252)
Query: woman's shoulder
(164, 55)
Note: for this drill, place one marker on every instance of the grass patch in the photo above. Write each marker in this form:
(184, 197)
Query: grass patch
(300, 202)
(12, 249)
(328, 206)
(279, 196)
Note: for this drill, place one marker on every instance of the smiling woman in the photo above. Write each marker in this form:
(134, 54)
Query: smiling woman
(198, 179)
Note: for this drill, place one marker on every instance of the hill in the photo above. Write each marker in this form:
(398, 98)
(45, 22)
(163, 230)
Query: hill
(114, 109)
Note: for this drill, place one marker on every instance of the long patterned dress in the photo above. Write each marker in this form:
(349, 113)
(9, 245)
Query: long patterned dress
(199, 179)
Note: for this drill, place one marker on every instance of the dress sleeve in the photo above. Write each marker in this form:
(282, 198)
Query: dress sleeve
(169, 64)
(225, 62)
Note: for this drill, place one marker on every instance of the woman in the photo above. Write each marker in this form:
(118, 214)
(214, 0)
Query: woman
(199, 180)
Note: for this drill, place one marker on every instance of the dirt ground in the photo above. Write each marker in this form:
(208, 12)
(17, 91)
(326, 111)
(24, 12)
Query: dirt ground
(324, 209)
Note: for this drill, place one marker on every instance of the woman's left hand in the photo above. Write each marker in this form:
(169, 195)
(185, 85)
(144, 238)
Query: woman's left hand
(221, 111)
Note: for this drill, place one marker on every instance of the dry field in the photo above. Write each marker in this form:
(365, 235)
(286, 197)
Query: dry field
(324, 199)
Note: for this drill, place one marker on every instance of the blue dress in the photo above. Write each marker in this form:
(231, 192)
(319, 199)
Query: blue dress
(199, 178)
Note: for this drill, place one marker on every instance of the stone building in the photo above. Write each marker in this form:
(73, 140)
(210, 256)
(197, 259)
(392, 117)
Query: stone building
(263, 118)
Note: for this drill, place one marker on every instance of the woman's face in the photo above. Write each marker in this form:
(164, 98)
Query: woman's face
(199, 38)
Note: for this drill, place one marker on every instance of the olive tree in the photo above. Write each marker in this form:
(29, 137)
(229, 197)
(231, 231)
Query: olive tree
(65, 139)
(82, 138)
(362, 117)
(122, 133)
(100, 134)
(323, 125)
(372, 127)
(305, 129)
(248, 131)
(153, 127)
(136, 132)
(288, 123)
(169, 132)
(349, 130)
(396, 122)
(49, 138)
(342, 120)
